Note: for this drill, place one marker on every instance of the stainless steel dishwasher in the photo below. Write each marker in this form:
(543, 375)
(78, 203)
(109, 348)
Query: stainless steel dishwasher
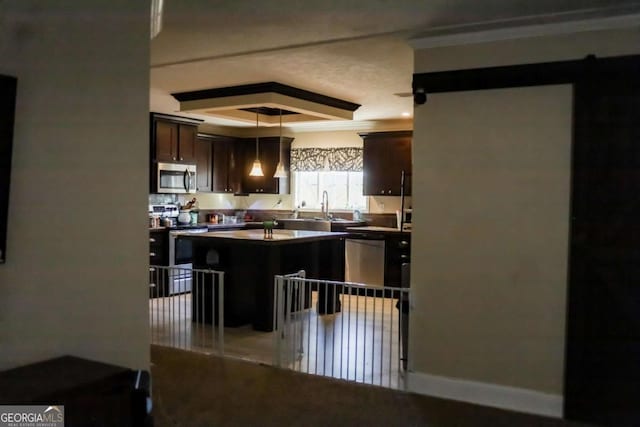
(364, 259)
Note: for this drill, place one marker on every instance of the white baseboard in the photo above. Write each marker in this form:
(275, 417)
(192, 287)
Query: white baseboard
(498, 396)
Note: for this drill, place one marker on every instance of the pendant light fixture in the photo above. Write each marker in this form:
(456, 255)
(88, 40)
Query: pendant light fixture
(256, 169)
(280, 172)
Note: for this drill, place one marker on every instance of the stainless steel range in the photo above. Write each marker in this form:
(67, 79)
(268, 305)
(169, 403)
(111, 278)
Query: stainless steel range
(180, 250)
(180, 256)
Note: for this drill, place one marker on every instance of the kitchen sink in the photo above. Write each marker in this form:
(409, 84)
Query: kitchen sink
(306, 224)
(318, 224)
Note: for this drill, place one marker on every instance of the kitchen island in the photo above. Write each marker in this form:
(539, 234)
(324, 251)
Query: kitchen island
(250, 261)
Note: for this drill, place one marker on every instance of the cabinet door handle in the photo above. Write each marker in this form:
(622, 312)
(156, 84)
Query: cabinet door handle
(174, 158)
(403, 244)
(152, 254)
(181, 158)
(152, 240)
(403, 257)
(389, 192)
(152, 269)
(382, 192)
(152, 285)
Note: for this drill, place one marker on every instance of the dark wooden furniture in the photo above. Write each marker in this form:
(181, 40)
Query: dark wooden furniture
(226, 161)
(250, 263)
(385, 156)
(270, 152)
(602, 372)
(93, 394)
(603, 335)
(158, 255)
(173, 138)
(397, 251)
(7, 111)
(204, 158)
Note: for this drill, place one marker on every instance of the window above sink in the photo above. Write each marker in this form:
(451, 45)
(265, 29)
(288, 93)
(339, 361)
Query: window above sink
(344, 189)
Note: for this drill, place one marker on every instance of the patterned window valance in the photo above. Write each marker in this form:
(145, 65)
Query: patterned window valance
(345, 159)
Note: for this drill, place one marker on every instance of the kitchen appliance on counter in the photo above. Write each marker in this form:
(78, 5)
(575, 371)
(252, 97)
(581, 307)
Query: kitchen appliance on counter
(167, 214)
(176, 178)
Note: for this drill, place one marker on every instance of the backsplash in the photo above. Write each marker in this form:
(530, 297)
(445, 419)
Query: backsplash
(163, 199)
(284, 202)
(380, 220)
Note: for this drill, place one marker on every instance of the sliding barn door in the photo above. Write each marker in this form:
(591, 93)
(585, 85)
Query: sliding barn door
(7, 107)
(603, 336)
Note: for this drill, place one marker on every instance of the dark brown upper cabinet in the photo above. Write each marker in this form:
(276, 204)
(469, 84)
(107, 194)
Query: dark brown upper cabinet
(226, 173)
(173, 138)
(203, 155)
(270, 152)
(385, 156)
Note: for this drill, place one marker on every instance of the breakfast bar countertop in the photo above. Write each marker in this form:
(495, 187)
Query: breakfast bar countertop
(258, 236)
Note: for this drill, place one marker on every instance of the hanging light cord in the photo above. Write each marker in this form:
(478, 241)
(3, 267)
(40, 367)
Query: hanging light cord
(281, 126)
(257, 127)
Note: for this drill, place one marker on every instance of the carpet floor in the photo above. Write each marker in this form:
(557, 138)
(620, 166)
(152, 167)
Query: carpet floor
(193, 390)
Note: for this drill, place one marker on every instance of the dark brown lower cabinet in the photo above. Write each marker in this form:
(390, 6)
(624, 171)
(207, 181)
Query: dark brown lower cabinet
(158, 255)
(397, 251)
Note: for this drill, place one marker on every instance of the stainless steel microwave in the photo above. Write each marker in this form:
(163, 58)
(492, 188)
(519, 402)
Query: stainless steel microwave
(176, 178)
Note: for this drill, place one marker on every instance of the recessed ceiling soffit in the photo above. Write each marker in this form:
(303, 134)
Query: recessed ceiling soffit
(241, 103)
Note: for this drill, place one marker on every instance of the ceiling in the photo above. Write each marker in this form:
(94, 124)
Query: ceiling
(354, 50)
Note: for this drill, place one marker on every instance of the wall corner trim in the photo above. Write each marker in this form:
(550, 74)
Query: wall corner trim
(511, 30)
(498, 396)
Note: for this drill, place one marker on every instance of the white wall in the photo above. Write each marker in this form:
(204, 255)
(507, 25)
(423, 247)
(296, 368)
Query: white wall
(525, 51)
(493, 200)
(75, 280)
(490, 227)
(331, 139)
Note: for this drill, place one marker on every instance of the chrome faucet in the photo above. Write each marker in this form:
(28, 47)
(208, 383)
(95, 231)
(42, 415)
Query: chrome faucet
(325, 204)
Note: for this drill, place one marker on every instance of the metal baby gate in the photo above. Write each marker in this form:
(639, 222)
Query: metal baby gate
(186, 308)
(350, 331)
